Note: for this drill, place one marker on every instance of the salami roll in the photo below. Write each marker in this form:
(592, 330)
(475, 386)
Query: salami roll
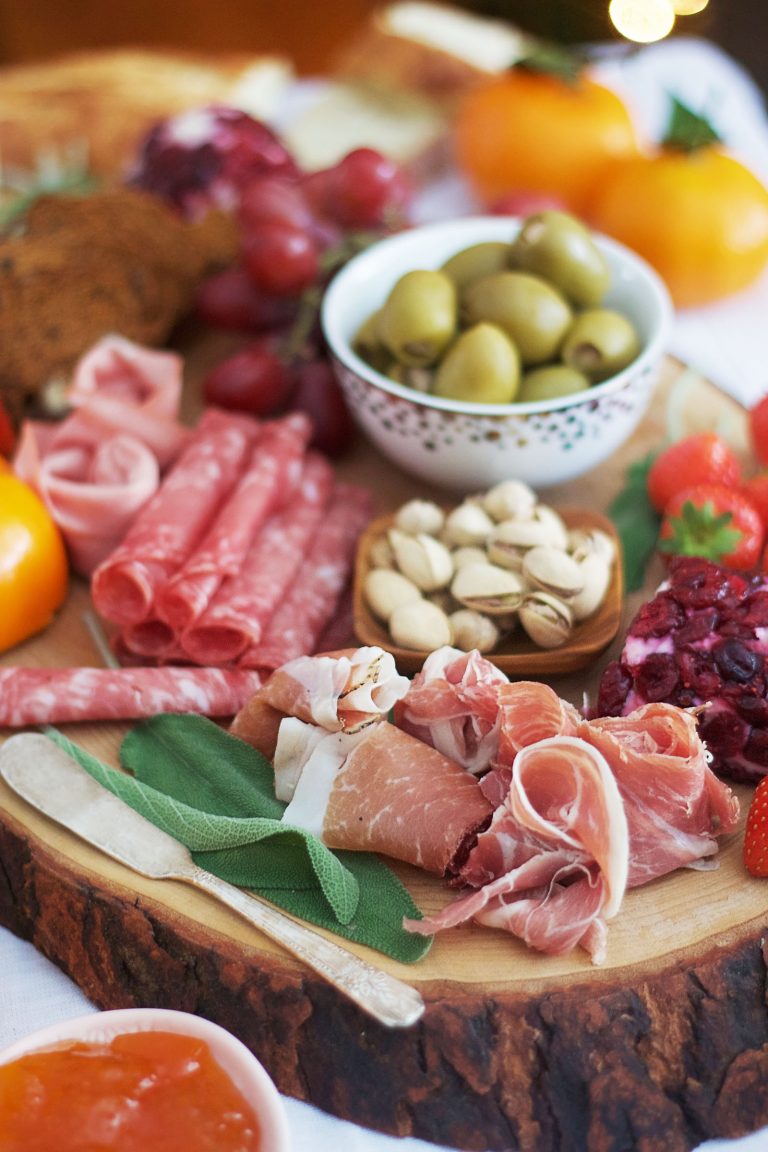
(166, 530)
(238, 613)
(269, 479)
(296, 626)
(67, 695)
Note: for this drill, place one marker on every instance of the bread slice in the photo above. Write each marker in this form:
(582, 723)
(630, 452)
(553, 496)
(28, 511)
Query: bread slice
(93, 108)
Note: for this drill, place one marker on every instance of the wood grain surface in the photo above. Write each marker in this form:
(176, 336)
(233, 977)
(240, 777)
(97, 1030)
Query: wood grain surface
(663, 1046)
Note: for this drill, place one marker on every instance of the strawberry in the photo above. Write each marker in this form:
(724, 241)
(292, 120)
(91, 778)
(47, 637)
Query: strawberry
(702, 458)
(715, 522)
(756, 832)
(7, 434)
(758, 424)
(756, 491)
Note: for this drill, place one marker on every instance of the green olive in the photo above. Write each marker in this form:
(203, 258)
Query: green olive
(478, 260)
(368, 345)
(600, 343)
(418, 319)
(560, 248)
(483, 366)
(534, 315)
(551, 381)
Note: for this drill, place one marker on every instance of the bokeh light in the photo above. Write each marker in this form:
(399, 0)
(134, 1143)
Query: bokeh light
(688, 7)
(642, 20)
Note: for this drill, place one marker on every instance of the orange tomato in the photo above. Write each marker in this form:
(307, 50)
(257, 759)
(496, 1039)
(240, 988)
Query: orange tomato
(537, 132)
(33, 563)
(700, 218)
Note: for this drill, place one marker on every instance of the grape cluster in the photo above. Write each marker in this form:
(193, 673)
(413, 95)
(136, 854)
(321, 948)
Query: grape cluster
(295, 232)
(700, 643)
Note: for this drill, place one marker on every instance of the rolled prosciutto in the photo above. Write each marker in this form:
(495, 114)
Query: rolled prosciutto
(68, 695)
(338, 692)
(125, 584)
(377, 789)
(676, 807)
(453, 706)
(553, 865)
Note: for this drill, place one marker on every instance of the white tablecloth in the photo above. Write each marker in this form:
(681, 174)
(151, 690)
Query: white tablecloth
(725, 342)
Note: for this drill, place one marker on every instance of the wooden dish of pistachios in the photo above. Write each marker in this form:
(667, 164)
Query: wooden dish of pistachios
(538, 590)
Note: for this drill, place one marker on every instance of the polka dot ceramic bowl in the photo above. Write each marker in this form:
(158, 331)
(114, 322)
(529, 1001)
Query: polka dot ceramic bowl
(466, 446)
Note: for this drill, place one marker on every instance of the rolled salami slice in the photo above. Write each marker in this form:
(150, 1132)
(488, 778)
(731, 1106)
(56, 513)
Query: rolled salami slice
(238, 613)
(67, 695)
(268, 481)
(380, 790)
(166, 530)
(310, 605)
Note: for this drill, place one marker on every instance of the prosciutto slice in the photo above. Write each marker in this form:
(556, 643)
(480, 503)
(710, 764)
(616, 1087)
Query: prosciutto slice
(236, 617)
(340, 692)
(67, 695)
(269, 478)
(453, 706)
(552, 867)
(166, 530)
(92, 486)
(124, 387)
(377, 789)
(676, 806)
(311, 602)
(528, 711)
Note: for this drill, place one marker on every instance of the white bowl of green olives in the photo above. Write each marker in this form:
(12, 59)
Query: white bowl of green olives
(486, 348)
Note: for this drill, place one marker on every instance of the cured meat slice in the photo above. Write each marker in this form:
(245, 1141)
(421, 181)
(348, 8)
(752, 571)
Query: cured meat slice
(562, 827)
(67, 695)
(236, 617)
(124, 387)
(296, 626)
(161, 537)
(340, 692)
(268, 480)
(453, 706)
(676, 806)
(528, 711)
(380, 790)
(92, 486)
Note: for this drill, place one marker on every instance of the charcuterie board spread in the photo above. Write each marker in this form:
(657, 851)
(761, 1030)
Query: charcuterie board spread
(280, 543)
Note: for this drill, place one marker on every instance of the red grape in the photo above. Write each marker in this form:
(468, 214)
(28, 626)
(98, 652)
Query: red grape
(318, 393)
(229, 299)
(367, 190)
(254, 380)
(274, 200)
(280, 258)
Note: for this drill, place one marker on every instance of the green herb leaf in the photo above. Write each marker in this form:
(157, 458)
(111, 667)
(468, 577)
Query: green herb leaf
(687, 131)
(637, 523)
(215, 794)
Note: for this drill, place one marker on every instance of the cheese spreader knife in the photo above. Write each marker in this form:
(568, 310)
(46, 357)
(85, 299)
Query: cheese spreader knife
(50, 780)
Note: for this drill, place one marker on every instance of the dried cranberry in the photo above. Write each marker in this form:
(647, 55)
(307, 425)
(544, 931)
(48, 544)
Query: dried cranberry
(736, 662)
(756, 747)
(685, 697)
(615, 684)
(698, 583)
(752, 707)
(724, 733)
(657, 617)
(699, 626)
(698, 672)
(755, 610)
(657, 678)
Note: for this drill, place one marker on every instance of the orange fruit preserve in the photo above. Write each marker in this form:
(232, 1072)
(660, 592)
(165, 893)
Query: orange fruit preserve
(143, 1092)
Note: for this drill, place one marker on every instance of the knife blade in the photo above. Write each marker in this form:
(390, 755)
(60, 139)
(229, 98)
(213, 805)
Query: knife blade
(49, 779)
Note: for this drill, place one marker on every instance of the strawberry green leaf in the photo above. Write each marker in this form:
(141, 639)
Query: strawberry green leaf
(700, 530)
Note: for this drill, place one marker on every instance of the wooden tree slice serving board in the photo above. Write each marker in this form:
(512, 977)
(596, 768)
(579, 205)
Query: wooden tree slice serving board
(663, 1046)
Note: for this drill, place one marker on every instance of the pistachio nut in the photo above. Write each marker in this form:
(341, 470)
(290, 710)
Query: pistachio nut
(488, 588)
(419, 516)
(553, 570)
(468, 523)
(596, 573)
(384, 590)
(380, 554)
(546, 619)
(422, 559)
(420, 626)
(467, 554)
(583, 542)
(473, 630)
(510, 500)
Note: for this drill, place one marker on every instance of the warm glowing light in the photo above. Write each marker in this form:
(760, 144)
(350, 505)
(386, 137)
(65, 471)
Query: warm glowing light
(642, 20)
(688, 7)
